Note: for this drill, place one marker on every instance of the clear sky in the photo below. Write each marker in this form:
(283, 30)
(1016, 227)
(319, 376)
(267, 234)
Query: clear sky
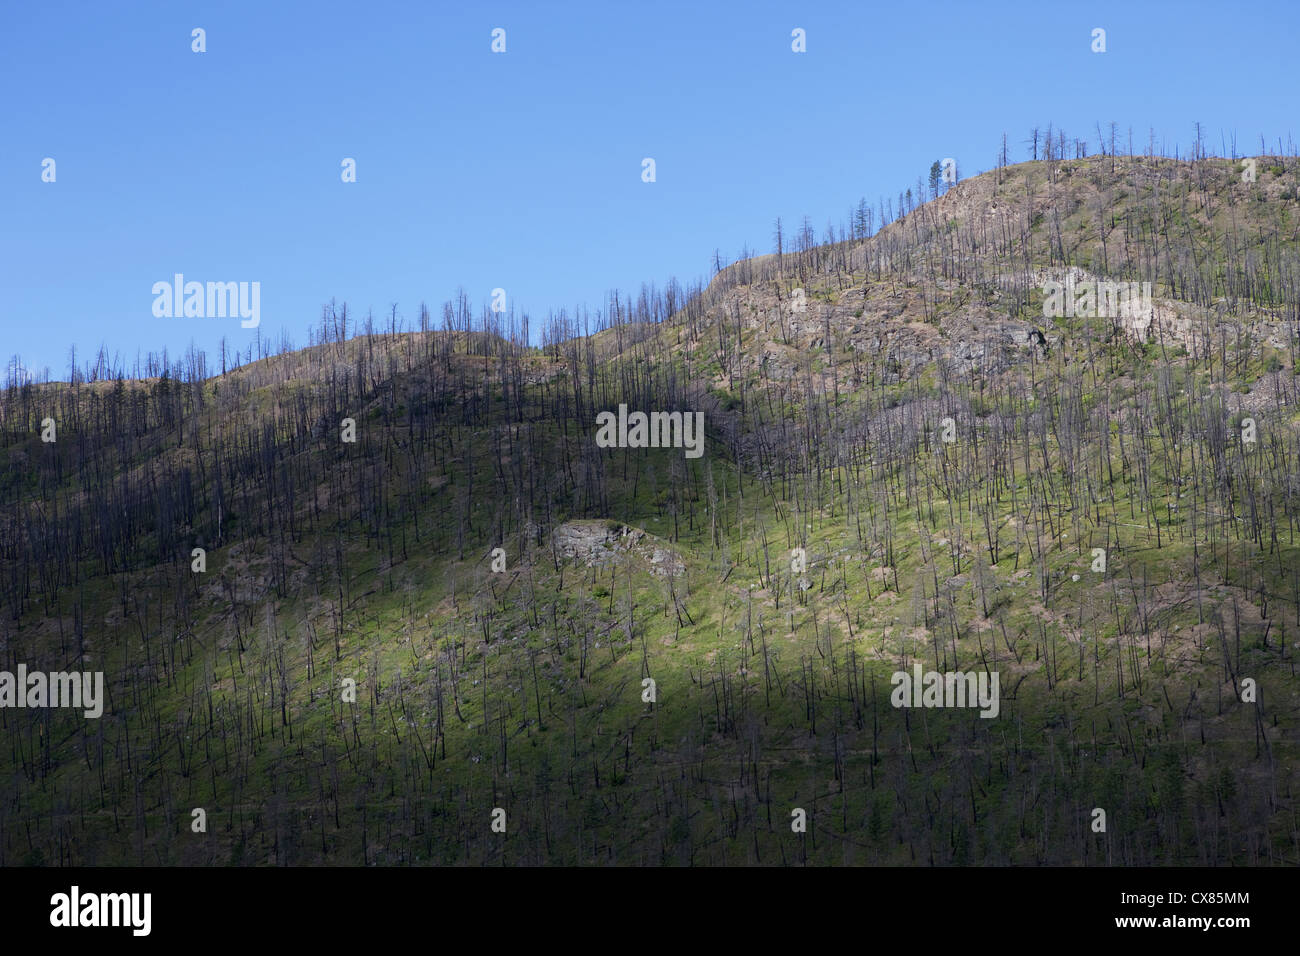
(523, 170)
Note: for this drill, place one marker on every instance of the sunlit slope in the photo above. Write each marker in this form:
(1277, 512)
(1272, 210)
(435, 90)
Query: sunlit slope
(907, 462)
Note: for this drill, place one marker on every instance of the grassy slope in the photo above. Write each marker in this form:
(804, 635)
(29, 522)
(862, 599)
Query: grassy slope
(772, 697)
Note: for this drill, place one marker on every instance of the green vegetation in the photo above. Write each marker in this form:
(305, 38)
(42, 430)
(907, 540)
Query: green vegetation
(525, 689)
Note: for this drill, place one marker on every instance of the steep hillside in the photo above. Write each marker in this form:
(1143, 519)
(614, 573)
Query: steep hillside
(908, 462)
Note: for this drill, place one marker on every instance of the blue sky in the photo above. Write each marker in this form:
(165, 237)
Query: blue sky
(522, 170)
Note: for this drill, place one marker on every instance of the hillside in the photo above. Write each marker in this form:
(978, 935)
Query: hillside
(907, 462)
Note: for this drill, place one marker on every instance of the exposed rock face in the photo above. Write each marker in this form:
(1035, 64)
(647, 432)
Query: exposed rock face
(600, 543)
(1166, 322)
(782, 335)
(954, 288)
